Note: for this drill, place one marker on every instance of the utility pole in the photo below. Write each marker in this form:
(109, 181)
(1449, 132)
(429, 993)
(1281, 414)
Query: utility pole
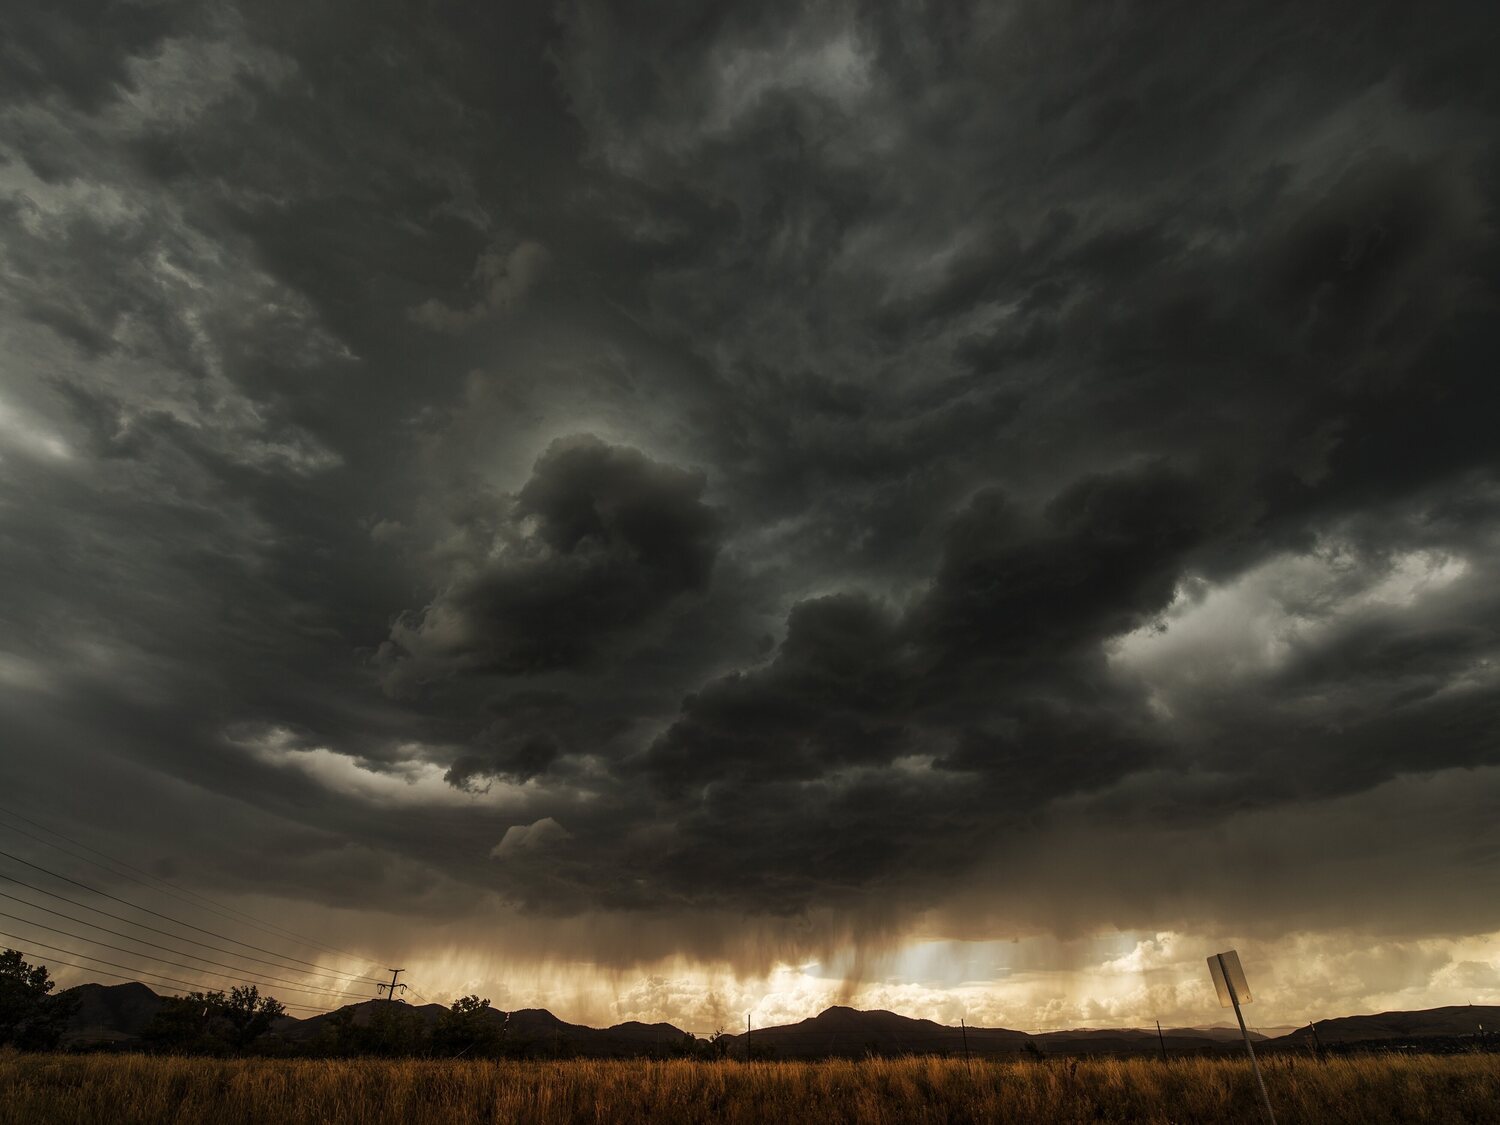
(1162, 1040)
(747, 1036)
(390, 989)
(964, 1028)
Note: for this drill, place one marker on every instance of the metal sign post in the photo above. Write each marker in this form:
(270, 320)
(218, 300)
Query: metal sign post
(1234, 990)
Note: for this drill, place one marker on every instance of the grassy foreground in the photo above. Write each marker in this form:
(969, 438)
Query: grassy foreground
(39, 1089)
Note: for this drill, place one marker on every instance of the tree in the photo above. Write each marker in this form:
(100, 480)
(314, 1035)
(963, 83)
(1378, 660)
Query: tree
(337, 1034)
(213, 1022)
(718, 1044)
(248, 1014)
(31, 1017)
(470, 1027)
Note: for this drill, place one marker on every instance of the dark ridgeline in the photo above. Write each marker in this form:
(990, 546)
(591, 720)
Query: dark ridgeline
(129, 1016)
(119, 1017)
(1458, 1027)
(842, 1032)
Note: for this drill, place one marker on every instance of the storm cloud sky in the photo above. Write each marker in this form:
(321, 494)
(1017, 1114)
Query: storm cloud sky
(756, 485)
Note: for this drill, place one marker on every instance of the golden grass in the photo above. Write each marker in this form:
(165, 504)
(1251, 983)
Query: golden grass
(123, 1089)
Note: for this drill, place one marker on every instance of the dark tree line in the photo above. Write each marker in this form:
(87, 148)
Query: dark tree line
(212, 1023)
(32, 1017)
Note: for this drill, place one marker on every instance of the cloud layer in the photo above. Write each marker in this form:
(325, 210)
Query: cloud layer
(848, 467)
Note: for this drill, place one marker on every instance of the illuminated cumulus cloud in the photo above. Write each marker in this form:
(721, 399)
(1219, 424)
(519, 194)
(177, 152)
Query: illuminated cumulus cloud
(537, 837)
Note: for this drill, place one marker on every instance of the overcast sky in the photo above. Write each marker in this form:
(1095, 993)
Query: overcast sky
(748, 505)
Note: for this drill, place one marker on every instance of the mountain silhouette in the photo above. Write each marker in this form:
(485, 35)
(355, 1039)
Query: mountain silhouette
(109, 1013)
(303, 1030)
(115, 1015)
(536, 1027)
(851, 1032)
(1460, 1019)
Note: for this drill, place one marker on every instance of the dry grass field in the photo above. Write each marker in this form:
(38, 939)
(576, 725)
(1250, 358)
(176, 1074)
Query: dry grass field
(40, 1089)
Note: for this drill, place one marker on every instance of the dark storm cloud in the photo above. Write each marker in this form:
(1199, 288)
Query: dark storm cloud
(774, 458)
(83, 59)
(972, 710)
(596, 542)
(1016, 604)
(834, 696)
(1104, 558)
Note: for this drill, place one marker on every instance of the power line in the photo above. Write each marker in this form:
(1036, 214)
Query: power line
(152, 929)
(166, 887)
(132, 968)
(134, 979)
(228, 913)
(166, 917)
(266, 977)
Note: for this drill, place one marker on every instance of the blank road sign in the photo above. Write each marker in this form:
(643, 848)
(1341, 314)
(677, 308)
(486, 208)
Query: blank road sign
(1230, 962)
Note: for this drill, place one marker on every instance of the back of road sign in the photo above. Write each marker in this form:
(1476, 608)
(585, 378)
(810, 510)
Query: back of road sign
(1229, 962)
